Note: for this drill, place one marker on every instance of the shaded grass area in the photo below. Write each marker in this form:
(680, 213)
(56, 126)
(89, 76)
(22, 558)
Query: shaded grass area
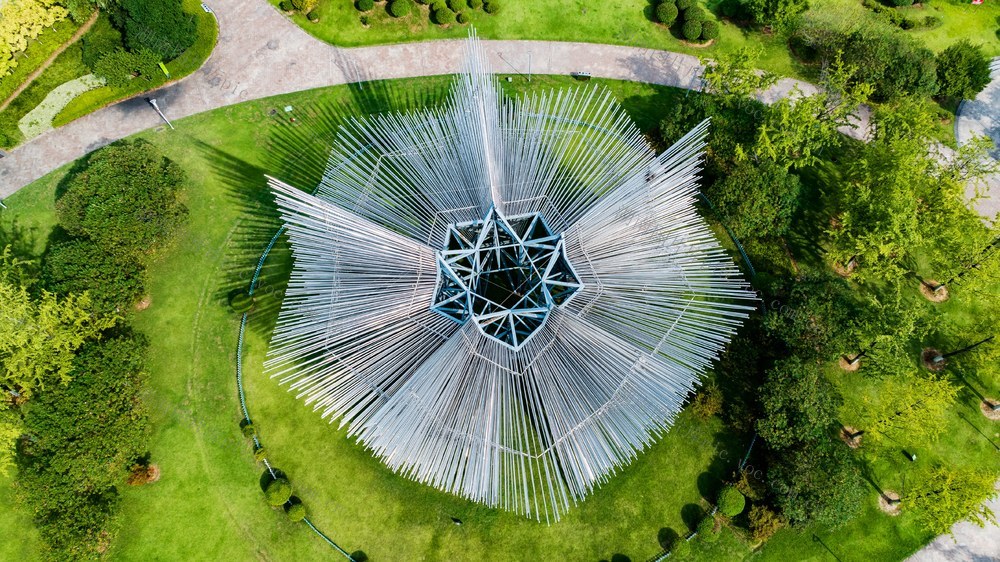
(207, 504)
(185, 64)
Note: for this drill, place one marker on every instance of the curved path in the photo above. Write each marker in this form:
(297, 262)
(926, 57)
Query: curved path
(261, 53)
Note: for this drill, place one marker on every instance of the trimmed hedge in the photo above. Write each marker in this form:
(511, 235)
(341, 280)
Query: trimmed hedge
(400, 8)
(710, 30)
(684, 4)
(296, 512)
(491, 7)
(444, 16)
(666, 13)
(365, 5)
(691, 30)
(456, 5)
(278, 491)
(695, 13)
(462, 18)
(707, 530)
(731, 502)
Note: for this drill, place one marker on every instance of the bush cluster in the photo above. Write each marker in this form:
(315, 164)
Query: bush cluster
(694, 21)
(897, 18)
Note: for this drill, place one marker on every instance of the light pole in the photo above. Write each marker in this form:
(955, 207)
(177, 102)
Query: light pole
(152, 102)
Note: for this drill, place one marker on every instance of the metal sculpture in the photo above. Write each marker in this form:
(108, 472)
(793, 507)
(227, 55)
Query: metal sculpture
(507, 299)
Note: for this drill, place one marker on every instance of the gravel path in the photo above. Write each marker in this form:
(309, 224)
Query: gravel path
(261, 53)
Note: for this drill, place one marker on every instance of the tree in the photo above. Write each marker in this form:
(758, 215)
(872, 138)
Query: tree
(120, 66)
(916, 407)
(125, 199)
(162, 27)
(878, 222)
(734, 77)
(798, 128)
(882, 327)
(756, 201)
(817, 483)
(277, 491)
(816, 315)
(731, 502)
(79, 265)
(776, 13)
(666, 13)
(38, 339)
(22, 21)
(963, 70)
(949, 495)
(799, 405)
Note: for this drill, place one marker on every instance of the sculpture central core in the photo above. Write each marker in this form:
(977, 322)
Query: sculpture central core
(505, 274)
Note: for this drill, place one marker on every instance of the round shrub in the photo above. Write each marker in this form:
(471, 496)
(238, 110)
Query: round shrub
(707, 530)
(695, 13)
(731, 502)
(666, 13)
(278, 491)
(286, 6)
(684, 4)
(259, 454)
(296, 512)
(691, 30)
(475, 4)
(456, 5)
(681, 549)
(248, 430)
(710, 30)
(444, 16)
(312, 16)
(400, 8)
(462, 18)
(365, 5)
(491, 7)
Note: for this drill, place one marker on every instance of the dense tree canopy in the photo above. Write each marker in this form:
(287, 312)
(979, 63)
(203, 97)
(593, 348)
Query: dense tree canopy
(800, 405)
(950, 495)
(963, 70)
(161, 27)
(819, 483)
(79, 265)
(124, 199)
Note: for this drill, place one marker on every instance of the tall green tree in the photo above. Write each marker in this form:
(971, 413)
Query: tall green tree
(125, 199)
(776, 13)
(949, 495)
(162, 27)
(817, 483)
(963, 70)
(915, 407)
(800, 405)
(756, 201)
(38, 340)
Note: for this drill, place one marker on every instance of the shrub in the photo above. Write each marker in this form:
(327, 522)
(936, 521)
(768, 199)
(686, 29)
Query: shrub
(708, 530)
(491, 7)
(462, 18)
(475, 4)
(312, 16)
(102, 39)
(444, 16)
(695, 13)
(365, 5)
(400, 8)
(295, 511)
(248, 430)
(364, 20)
(691, 30)
(963, 70)
(902, 2)
(684, 4)
(681, 549)
(161, 27)
(259, 454)
(666, 13)
(456, 5)
(286, 6)
(764, 523)
(124, 199)
(120, 66)
(731, 502)
(79, 265)
(277, 491)
(710, 30)
(707, 402)
(931, 22)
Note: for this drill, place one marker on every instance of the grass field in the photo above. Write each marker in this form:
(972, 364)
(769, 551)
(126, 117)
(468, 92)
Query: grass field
(208, 505)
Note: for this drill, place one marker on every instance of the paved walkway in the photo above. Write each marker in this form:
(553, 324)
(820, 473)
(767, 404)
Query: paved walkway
(978, 117)
(260, 53)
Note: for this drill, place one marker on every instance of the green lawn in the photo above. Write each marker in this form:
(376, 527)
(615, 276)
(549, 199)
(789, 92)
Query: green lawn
(208, 505)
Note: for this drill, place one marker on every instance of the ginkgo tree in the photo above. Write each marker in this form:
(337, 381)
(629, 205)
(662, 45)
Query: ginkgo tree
(914, 406)
(22, 21)
(949, 495)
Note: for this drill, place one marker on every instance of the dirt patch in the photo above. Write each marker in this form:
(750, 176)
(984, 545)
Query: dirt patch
(888, 502)
(144, 474)
(850, 436)
(708, 43)
(986, 407)
(927, 359)
(846, 365)
(845, 270)
(927, 290)
(144, 303)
